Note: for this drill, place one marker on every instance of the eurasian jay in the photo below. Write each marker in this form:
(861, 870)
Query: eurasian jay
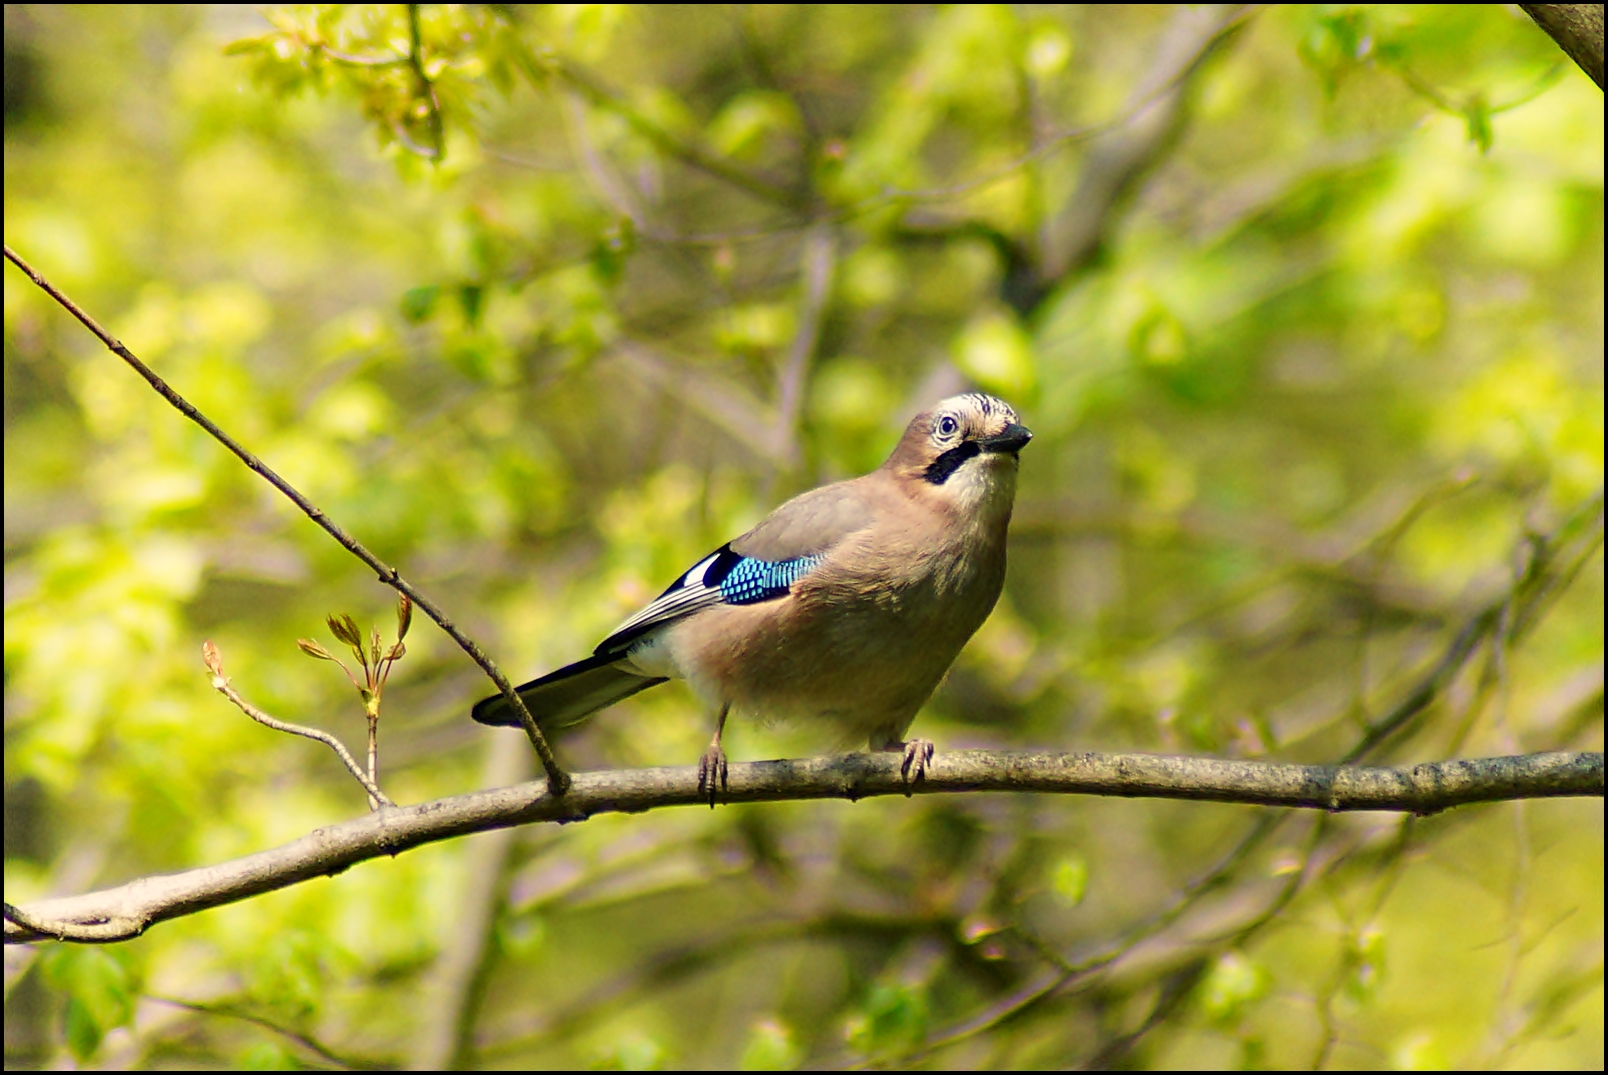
(847, 604)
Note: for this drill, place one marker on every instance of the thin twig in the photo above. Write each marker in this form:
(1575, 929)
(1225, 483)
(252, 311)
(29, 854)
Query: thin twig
(426, 87)
(220, 683)
(557, 780)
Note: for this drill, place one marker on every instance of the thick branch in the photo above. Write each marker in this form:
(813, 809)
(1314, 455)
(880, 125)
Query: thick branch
(127, 911)
(1577, 28)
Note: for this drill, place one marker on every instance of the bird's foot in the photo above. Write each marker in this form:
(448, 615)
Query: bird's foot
(712, 772)
(917, 753)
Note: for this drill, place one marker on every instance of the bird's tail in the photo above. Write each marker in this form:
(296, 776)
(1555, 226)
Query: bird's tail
(569, 695)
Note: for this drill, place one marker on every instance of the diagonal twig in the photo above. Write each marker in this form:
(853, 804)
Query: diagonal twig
(557, 780)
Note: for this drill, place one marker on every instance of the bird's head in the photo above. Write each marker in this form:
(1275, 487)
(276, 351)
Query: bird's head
(965, 449)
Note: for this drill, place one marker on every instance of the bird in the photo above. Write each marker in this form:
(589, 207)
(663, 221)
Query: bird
(846, 605)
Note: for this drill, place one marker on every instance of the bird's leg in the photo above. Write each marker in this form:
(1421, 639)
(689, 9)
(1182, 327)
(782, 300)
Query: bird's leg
(712, 766)
(917, 753)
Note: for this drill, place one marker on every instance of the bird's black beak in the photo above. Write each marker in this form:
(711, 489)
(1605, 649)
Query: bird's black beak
(1012, 439)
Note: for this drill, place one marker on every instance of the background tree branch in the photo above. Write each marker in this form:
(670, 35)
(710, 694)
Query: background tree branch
(1578, 30)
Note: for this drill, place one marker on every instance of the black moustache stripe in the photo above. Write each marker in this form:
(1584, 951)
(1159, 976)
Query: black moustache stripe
(939, 470)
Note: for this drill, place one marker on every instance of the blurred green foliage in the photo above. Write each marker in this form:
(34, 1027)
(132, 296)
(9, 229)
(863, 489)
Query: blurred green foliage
(1303, 303)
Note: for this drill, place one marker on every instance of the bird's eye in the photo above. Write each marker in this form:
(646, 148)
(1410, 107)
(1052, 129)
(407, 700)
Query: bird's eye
(948, 426)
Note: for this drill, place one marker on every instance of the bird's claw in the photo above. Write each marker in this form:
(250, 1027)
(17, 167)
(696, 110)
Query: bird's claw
(917, 753)
(712, 773)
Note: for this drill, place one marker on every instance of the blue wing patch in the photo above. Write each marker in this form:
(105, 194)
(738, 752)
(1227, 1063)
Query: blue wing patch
(745, 581)
(723, 577)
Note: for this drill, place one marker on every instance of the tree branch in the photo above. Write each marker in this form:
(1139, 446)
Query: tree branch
(128, 910)
(1577, 28)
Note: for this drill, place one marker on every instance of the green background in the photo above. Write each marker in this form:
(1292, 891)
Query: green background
(1303, 304)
